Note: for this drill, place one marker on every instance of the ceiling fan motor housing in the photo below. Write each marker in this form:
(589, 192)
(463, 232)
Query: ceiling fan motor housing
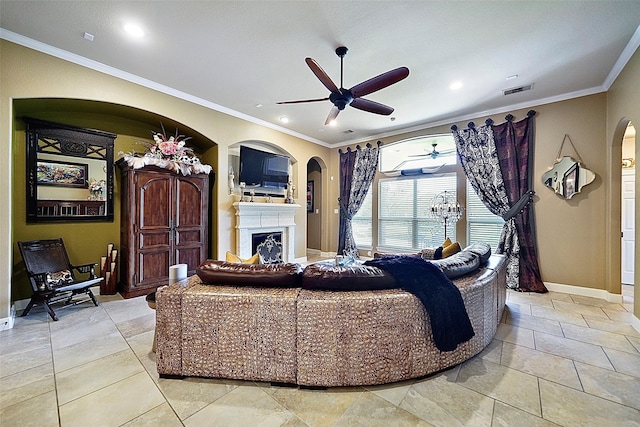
(341, 100)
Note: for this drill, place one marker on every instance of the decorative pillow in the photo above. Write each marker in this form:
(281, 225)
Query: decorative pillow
(215, 272)
(483, 250)
(358, 277)
(431, 253)
(255, 259)
(58, 278)
(462, 263)
(382, 254)
(446, 243)
(453, 248)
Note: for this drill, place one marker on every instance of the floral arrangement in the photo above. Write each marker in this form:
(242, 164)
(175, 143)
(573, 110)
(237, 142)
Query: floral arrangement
(97, 188)
(168, 153)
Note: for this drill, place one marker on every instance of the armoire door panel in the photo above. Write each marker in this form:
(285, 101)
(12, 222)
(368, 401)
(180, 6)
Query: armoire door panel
(192, 256)
(153, 266)
(185, 237)
(190, 194)
(154, 209)
(150, 239)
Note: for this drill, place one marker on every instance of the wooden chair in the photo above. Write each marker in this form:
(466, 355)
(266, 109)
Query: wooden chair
(52, 276)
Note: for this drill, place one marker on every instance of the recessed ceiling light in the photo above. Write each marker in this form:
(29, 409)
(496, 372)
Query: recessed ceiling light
(88, 36)
(455, 85)
(513, 76)
(134, 30)
(258, 105)
(284, 119)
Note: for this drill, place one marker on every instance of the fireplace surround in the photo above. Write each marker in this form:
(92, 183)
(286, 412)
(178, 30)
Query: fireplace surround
(254, 218)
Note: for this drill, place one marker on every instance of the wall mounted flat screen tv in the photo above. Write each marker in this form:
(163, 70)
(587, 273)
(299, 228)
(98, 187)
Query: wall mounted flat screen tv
(263, 171)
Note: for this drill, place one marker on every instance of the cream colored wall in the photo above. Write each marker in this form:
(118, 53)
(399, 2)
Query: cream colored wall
(623, 105)
(25, 73)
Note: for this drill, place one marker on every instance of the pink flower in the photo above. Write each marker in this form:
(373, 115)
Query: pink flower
(168, 148)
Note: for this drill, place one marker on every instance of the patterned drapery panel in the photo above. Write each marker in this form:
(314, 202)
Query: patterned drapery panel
(357, 170)
(499, 170)
(514, 144)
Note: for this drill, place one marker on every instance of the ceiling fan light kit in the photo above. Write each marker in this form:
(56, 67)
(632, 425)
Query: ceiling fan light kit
(341, 97)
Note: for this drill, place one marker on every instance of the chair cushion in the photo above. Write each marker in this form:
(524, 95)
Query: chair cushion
(58, 278)
(324, 275)
(213, 272)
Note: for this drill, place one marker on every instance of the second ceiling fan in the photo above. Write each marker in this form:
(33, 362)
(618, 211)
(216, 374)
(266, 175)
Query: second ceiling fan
(341, 97)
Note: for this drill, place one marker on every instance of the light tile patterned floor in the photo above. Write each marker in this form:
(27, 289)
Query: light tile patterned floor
(557, 359)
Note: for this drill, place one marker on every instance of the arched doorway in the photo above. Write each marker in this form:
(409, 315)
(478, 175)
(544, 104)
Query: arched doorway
(627, 208)
(313, 198)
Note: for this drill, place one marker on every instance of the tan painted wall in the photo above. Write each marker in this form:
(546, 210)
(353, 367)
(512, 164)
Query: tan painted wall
(623, 104)
(570, 232)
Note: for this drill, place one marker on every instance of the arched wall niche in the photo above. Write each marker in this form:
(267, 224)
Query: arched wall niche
(87, 241)
(116, 118)
(234, 155)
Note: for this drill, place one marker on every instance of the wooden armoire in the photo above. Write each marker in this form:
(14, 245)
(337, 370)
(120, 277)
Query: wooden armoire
(164, 221)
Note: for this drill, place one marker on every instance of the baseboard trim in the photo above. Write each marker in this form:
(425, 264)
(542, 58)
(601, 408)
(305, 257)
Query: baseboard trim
(585, 292)
(635, 322)
(8, 322)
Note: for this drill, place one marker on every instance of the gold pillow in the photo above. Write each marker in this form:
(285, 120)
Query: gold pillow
(229, 257)
(453, 248)
(446, 243)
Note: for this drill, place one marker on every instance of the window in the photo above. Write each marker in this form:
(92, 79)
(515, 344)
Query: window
(426, 153)
(404, 221)
(482, 225)
(361, 223)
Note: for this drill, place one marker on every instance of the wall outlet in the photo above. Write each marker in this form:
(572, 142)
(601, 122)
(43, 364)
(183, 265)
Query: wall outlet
(336, 211)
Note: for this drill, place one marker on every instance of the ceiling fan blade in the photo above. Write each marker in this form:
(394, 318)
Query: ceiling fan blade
(303, 100)
(332, 115)
(371, 106)
(379, 82)
(321, 75)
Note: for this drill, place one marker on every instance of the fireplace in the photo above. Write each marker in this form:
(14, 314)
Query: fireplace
(262, 220)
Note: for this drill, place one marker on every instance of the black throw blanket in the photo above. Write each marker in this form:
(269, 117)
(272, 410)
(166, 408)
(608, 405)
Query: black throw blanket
(441, 298)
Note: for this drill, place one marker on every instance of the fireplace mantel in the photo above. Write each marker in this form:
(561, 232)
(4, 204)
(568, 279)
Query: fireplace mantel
(254, 217)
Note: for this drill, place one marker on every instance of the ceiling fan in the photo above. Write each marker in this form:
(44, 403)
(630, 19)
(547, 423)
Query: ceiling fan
(434, 153)
(341, 97)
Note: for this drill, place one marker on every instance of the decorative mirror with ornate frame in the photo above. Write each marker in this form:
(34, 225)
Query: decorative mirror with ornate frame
(69, 173)
(567, 176)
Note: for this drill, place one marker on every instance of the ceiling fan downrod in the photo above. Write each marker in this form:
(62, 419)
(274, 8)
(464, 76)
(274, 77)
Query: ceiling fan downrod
(341, 52)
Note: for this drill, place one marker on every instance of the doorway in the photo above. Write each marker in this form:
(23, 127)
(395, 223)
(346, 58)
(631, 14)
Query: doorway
(313, 205)
(628, 206)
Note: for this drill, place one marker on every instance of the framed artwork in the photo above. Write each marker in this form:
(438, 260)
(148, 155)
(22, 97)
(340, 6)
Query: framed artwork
(63, 174)
(310, 196)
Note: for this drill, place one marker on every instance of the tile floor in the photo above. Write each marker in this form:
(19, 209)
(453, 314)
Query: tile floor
(557, 359)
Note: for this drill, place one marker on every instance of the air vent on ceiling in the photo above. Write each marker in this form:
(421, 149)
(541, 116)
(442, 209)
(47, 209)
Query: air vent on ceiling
(517, 89)
(348, 131)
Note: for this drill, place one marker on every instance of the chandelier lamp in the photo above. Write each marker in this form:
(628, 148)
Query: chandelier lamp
(446, 209)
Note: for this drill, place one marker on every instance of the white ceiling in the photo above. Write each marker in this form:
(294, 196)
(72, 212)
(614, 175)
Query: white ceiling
(233, 55)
